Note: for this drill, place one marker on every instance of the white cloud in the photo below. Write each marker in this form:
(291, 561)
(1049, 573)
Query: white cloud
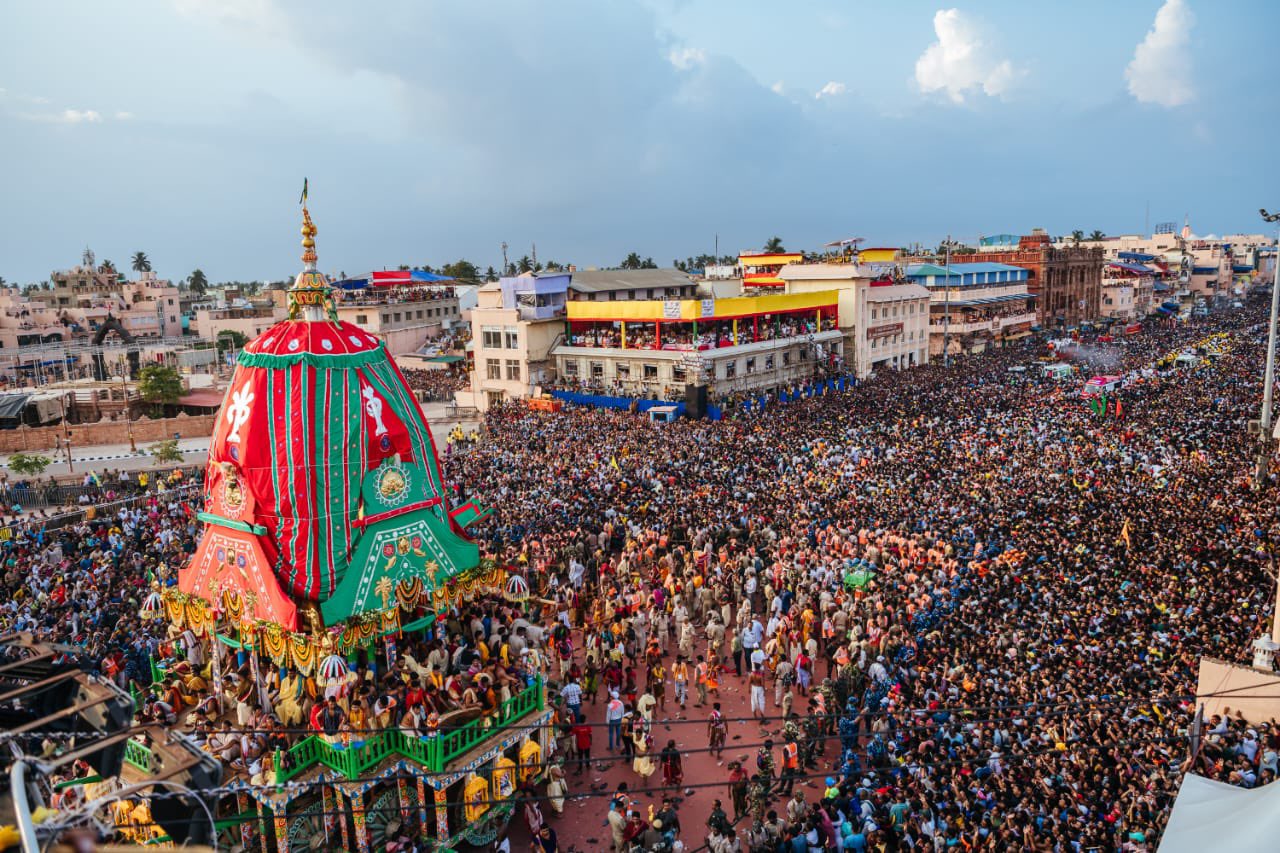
(122, 115)
(79, 116)
(777, 88)
(831, 90)
(1160, 71)
(685, 58)
(959, 61)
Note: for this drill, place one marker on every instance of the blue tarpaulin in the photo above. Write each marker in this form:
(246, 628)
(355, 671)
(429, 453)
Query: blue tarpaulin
(603, 401)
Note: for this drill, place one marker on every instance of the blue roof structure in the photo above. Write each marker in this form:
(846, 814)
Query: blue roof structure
(1141, 269)
(1135, 256)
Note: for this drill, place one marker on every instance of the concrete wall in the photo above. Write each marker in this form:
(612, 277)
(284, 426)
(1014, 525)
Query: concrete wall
(145, 430)
(1238, 683)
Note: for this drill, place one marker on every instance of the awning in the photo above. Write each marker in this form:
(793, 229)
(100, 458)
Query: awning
(386, 278)
(444, 359)
(202, 398)
(1135, 256)
(1212, 815)
(1138, 268)
(11, 405)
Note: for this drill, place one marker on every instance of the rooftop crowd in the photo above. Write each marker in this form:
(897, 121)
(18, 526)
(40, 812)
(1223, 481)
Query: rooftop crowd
(967, 608)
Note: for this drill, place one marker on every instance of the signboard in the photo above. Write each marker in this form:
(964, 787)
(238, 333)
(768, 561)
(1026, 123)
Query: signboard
(883, 331)
(708, 308)
(671, 309)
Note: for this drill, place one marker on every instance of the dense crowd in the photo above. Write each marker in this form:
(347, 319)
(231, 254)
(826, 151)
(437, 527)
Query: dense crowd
(438, 385)
(967, 608)
(990, 597)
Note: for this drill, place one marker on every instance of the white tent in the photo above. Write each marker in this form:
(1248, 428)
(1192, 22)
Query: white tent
(1210, 815)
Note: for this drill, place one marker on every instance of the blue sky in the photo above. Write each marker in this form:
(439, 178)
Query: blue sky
(433, 131)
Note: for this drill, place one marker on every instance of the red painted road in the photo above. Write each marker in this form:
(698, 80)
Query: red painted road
(583, 827)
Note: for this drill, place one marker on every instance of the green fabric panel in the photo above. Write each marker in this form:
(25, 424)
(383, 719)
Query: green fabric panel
(243, 527)
(320, 362)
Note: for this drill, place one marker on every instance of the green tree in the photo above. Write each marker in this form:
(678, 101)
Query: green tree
(461, 270)
(632, 262)
(490, 274)
(525, 264)
(107, 267)
(1097, 235)
(197, 283)
(774, 245)
(159, 385)
(141, 263)
(29, 464)
(230, 339)
(1076, 236)
(648, 264)
(166, 451)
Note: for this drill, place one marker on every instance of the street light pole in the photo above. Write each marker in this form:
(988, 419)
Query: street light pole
(946, 310)
(128, 417)
(1269, 376)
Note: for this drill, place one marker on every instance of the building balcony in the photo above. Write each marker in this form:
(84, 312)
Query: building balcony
(995, 325)
(677, 351)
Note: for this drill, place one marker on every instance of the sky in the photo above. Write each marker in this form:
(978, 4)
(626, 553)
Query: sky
(433, 131)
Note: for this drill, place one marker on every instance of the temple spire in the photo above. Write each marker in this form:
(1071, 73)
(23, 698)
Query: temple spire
(309, 297)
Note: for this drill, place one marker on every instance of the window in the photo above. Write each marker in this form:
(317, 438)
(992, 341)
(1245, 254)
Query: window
(622, 371)
(492, 368)
(512, 338)
(677, 373)
(873, 313)
(397, 316)
(419, 313)
(513, 369)
(361, 319)
(731, 368)
(571, 368)
(768, 362)
(651, 371)
(751, 365)
(492, 337)
(386, 318)
(786, 357)
(804, 355)
(597, 370)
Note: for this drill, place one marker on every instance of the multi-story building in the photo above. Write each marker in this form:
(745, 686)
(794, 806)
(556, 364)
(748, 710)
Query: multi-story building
(1065, 279)
(250, 321)
(1127, 290)
(974, 306)
(147, 307)
(657, 348)
(883, 318)
(514, 325)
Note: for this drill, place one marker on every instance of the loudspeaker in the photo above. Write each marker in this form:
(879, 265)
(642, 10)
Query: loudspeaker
(695, 401)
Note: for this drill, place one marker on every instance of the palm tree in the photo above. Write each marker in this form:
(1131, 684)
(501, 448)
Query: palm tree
(141, 263)
(1097, 235)
(774, 246)
(107, 267)
(632, 262)
(198, 283)
(1076, 236)
(525, 264)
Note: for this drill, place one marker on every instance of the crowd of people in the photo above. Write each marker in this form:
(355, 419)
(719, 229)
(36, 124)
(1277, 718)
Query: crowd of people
(438, 385)
(966, 609)
(983, 601)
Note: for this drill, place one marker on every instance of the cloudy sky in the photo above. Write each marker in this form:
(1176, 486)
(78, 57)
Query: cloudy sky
(436, 130)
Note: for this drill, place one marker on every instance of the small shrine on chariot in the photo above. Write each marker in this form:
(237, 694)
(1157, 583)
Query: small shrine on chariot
(328, 541)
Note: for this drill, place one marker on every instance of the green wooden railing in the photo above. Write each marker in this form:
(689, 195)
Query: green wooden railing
(138, 755)
(434, 754)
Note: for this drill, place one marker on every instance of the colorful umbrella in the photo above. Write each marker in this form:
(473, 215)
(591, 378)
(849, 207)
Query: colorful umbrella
(334, 666)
